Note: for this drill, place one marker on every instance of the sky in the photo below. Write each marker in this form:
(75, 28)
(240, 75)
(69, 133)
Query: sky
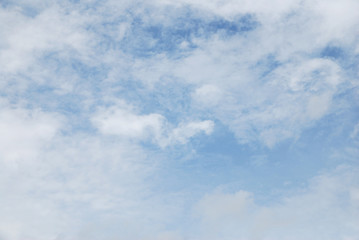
(179, 120)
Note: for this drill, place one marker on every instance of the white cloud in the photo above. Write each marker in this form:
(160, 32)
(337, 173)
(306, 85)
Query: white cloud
(31, 37)
(208, 95)
(231, 8)
(326, 209)
(184, 132)
(80, 185)
(273, 108)
(266, 85)
(227, 73)
(23, 133)
(123, 122)
(227, 207)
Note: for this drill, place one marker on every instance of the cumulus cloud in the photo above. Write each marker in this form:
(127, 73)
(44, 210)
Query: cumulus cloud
(121, 121)
(326, 209)
(76, 187)
(276, 107)
(125, 124)
(254, 74)
(267, 86)
(184, 132)
(88, 88)
(30, 38)
(23, 133)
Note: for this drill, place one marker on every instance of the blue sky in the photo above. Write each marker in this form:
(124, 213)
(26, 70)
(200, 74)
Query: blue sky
(179, 120)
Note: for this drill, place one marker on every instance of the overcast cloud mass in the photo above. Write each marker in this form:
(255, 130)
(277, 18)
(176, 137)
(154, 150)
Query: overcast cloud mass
(179, 120)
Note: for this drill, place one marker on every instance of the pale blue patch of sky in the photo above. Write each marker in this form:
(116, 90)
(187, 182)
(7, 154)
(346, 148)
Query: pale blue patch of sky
(147, 39)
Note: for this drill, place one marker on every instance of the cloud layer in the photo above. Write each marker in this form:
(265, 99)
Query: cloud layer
(169, 120)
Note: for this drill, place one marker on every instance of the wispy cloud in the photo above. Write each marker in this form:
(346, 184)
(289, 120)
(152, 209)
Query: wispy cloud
(322, 210)
(124, 120)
